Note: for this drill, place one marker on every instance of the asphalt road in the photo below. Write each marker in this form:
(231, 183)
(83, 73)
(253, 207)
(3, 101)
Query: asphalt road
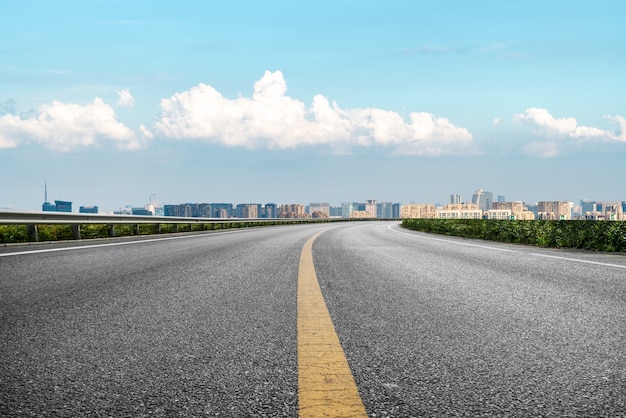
(206, 325)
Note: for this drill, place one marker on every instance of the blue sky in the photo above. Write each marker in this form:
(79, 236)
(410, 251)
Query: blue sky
(110, 101)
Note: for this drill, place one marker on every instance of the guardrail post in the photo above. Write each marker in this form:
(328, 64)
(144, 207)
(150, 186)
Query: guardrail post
(111, 230)
(136, 229)
(32, 232)
(76, 231)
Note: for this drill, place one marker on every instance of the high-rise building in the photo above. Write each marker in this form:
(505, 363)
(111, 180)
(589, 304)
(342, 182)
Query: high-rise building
(271, 211)
(294, 210)
(384, 210)
(248, 210)
(554, 210)
(395, 211)
(319, 207)
(455, 199)
(518, 209)
(482, 199)
(347, 208)
(221, 210)
(370, 206)
(418, 211)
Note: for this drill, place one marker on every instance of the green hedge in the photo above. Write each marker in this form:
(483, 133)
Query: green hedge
(588, 235)
(19, 233)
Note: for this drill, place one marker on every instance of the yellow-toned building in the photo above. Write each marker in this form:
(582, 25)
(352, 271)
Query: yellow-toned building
(554, 210)
(518, 210)
(459, 211)
(360, 214)
(418, 211)
(294, 210)
(499, 214)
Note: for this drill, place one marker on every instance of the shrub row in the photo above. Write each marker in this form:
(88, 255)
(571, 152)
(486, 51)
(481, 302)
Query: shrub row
(19, 233)
(588, 235)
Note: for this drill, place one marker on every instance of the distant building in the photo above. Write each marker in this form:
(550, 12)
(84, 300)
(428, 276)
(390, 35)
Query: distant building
(558, 210)
(59, 206)
(270, 211)
(518, 210)
(347, 208)
(221, 210)
(418, 211)
(292, 211)
(361, 214)
(319, 214)
(248, 210)
(395, 210)
(455, 199)
(384, 210)
(498, 214)
(48, 207)
(88, 209)
(482, 199)
(142, 212)
(319, 207)
(188, 210)
(606, 210)
(370, 206)
(460, 211)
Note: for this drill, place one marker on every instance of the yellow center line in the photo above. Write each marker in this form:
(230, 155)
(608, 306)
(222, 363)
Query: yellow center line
(326, 386)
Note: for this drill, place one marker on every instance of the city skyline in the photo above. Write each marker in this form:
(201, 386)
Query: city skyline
(482, 199)
(289, 102)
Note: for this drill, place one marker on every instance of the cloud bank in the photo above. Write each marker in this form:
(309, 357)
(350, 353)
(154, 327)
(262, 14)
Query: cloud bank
(62, 127)
(271, 119)
(559, 134)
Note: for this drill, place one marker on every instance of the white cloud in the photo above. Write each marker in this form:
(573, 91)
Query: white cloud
(270, 119)
(145, 132)
(62, 127)
(543, 123)
(125, 98)
(561, 133)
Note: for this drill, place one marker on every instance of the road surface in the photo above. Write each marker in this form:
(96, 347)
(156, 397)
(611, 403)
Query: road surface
(206, 324)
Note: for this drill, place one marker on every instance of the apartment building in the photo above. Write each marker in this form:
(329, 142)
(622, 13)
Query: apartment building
(418, 211)
(460, 211)
(518, 210)
(293, 210)
(557, 210)
(361, 214)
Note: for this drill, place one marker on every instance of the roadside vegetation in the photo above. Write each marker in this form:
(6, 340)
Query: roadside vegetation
(589, 235)
(19, 233)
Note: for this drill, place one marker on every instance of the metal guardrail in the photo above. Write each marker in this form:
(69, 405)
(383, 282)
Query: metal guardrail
(32, 219)
(58, 218)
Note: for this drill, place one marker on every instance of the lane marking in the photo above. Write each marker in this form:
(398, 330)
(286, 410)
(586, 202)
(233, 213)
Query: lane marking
(597, 263)
(115, 244)
(326, 386)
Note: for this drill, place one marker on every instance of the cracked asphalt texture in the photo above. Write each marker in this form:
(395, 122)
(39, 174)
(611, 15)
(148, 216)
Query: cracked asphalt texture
(206, 326)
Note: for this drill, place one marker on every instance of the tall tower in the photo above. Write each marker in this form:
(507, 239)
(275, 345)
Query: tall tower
(483, 199)
(47, 207)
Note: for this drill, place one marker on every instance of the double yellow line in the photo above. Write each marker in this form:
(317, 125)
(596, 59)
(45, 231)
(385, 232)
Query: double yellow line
(326, 386)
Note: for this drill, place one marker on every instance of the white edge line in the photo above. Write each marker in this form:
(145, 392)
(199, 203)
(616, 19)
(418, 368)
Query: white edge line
(114, 244)
(597, 263)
